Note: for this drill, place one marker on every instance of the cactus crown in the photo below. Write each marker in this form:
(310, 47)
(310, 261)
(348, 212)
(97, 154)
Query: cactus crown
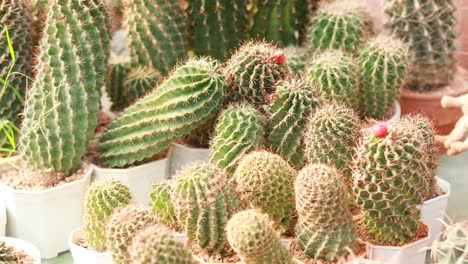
(453, 248)
(6, 254)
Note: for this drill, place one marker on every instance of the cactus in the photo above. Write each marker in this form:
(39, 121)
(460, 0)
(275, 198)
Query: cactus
(252, 72)
(265, 181)
(218, 26)
(6, 254)
(101, 200)
(201, 136)
(296, 58)
(161, 203)
(251, 236)
(150, 125)
(119, 68)
(122, 227)
(62, 106)
(239, 130)
(155, 244)
(325, 225)
(383, 63)
(453, 248)
(157, 33)
(336, 75)
(139, 81)
(429, 28)
(203, 203)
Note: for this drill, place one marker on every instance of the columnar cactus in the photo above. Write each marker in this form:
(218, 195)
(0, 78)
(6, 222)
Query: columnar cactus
(325, 225)
(293, 102)
(429, 28)
(254, 240)
(265, 181)
(383, 65)
(6, 254)
(119, 68)
(203, 203)
(296, 58)
(157, 33)
(239, 130)
(150, 125)
(161, 203)
(336, 75)
(453, 248)
(101, 200)
(139, 81)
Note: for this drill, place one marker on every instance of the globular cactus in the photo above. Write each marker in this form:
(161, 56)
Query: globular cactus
(383, 66)
(150, 125)
(252, 72)
(217, 27)
(336, 75)
(161, 203)
(156, 244)
(101, 200)
(296, 58)
(157, 33)
(6, 254)
(139, 81)
(291, 107)
(325, 225)
(123, 226)
(239, 130)
(62, 106)
(453, 248)
(203, 203)
(119, 68)
(428, 26)
(265, 181)
(254, 240)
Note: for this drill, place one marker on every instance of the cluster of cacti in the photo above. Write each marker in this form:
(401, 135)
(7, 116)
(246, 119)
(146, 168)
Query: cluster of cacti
(6, 254)
(119, 66)
(161, 203)
(453, 248)
(254, 240)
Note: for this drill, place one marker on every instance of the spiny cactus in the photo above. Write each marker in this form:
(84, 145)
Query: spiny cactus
(62, 107)
(239, 130)
(383, 65)
(150, 125)
(123, 226)
(293, 102)
(6, 254)
(203, 203)
(161, 203)
(139, 81)
(336, 75)
(325, 225)
(201, 136)
(101, 200)
(254, 240)
(265, 181)
(453, 248)
(119, 68)
(296, 58)
(156, 244)
(252, 72)
(428, 26)
(157, 33)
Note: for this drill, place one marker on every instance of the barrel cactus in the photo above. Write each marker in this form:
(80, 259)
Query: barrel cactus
(453, 248)
(161, 203)
(119, 68)
(6, 254)
(296, 58)
(139, 81)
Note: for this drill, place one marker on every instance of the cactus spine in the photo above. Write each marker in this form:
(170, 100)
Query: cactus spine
(119, 68)
(150, 125)
(161, 203)
(453, 249)
(6, 254)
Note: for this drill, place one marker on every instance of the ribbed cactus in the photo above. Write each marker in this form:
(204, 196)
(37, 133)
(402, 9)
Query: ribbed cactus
(296, 58)
(189, 97)
(6, 254)
(453, 248)
(156, 244)
(254, 240)
(239, 130)
(325, 225)
(203, 203)
(139, 81)
(157, 33)
(252, 72)
(291, 107)
(161, 203)
(119, 68)
(217, 26)
(383, 65)
(62, 107)
(123, 226)
(101, 200)
(429, 28)
(201, 135)
(265, 181)
(336, 75)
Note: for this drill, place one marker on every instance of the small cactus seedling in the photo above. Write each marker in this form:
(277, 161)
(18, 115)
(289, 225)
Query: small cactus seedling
(161, 203)
(6, 254)
(453, 248)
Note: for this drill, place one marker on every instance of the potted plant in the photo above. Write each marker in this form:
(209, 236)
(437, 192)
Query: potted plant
(14, 250)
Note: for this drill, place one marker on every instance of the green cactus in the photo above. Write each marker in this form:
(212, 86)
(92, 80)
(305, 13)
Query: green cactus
(139, 81)
(428, 26)
(200, 137)
(239, 130)
(383, 65)
(119, 68)
(251, 236)
(252, 72)
(156, 244)
(265, 181)
(157, 33)
(61, 111)
(6, 254)
(325, 225)
(296, 58)
(122, 227)
(453, 248)
(217, 26)
(189, 97)
(203, 203)
(161, 203)
(101, 200)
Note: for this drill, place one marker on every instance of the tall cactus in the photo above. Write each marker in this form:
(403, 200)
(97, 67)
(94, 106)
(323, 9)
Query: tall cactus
(150, 125)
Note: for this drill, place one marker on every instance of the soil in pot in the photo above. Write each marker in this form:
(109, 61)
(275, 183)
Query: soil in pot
(21, 257)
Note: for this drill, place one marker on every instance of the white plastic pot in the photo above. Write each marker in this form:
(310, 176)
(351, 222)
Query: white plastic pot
(182, 155)
(395, 117)
(25, 246)
(45, 218)
(3, 218)
(139, 178)
(83, 255)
